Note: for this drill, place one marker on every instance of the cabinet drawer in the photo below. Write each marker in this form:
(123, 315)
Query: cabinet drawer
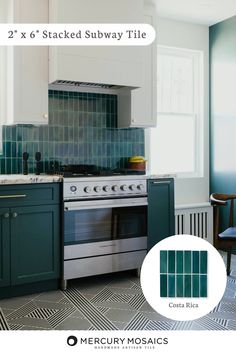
(37, 194)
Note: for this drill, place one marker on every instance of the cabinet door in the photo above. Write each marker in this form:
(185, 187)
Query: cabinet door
(161, 220)
(27, 68)
(35, 236)
(4, 247)
(143, 102)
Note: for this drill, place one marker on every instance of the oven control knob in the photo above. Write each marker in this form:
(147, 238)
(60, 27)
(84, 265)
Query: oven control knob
(97, 189)
(132, 187)
(115, 188)
(87, 189)
(106, 188)
(73, 188)
(124, 187)
(140, 187)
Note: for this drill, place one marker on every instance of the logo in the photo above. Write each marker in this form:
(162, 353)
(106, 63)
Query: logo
(72, 341)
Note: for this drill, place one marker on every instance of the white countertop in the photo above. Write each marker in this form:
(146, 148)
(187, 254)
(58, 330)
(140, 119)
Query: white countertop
(43, 178)
(30, 178)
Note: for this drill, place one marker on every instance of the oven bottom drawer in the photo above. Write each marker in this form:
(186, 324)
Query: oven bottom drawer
(78, 268)
(105, 247)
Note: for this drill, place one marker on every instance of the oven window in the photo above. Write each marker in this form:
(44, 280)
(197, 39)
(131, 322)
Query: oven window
(129, 222)
(92, 225)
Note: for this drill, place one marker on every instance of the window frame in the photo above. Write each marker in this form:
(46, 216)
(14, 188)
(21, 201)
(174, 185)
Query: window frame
(198, 110)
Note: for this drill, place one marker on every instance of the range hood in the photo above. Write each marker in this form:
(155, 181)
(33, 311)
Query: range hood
(79, 86)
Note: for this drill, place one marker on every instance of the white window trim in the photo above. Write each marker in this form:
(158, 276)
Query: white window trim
(198, 57)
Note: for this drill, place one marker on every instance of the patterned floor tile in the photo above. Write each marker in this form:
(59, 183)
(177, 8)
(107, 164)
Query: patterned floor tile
(77, 314)
(228, 307)
(22, 311)
(121, 297)
(30, 328)
(102, 309)
(154, 316)
(120, 315)
(124, 291)
(73, 323)
(108, 302)
(137, 301)
(51, 296)
(60, 316)
(103, 295)
(14, 303)
(137, 287)
(3, 323)
(119, 325)
(96, 318)
(122, 283)
(221, 321)
(196, 327)
(160, 326)
(231, 325)
(223, 315)
(6, 311)
(181, 325)
(33, 322)
(114, 305)
(15, 327)
(42, 313)
(138, 322)
(210, 324)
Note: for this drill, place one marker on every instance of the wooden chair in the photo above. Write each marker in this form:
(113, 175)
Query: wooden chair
(225, 240)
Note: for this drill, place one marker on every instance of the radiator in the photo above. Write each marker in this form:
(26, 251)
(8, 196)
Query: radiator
(195, 219)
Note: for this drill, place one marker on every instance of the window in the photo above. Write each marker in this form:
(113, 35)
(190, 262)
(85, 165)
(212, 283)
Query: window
(176, 143)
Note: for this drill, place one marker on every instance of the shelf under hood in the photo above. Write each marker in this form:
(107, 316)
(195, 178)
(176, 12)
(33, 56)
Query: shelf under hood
(78, 86)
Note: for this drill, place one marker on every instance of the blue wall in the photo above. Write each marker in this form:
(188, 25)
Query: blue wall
(223, 107)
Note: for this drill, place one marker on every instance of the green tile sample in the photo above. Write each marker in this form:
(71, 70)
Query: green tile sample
(163, 261)
(171, 262)
(171, 285)
(180, 262)
(183, 273)
(203, 285)
(195, 285)
(163, 285)
(187, 261)
(195, 262)
(179, 285)
(203, 262)
(187, 286)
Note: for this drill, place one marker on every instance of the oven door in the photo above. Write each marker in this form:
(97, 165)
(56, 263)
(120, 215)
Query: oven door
(104, 220)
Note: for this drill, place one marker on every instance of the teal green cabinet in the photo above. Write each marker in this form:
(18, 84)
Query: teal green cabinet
(34, 244)
(4, 247)
(161, 220)
(30, 240)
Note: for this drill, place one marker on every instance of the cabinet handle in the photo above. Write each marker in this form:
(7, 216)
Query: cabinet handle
(166, 182)
(14, 215)
(6, 215)
(12, 196)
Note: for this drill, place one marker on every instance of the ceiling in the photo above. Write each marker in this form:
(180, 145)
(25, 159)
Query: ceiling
(206, 12)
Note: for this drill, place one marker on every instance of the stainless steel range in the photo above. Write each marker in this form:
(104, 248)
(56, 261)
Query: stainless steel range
(105, 224)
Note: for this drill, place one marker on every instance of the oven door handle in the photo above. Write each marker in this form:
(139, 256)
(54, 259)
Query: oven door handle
(108, 203)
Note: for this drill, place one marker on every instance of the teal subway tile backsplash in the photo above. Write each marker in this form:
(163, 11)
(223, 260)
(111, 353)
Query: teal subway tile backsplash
(183, 273)
(82, 129)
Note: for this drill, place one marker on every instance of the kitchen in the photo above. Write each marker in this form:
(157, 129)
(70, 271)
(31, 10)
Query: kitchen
(95, 125)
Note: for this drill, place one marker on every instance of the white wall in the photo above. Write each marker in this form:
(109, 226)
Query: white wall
(185, 35)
